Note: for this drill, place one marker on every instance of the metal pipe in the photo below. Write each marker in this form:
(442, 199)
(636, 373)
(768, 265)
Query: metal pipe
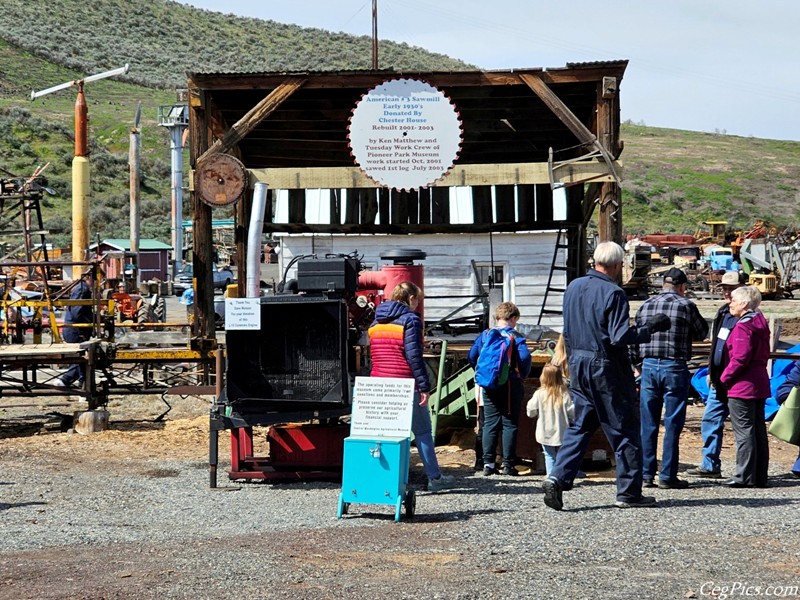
(176, 150)
(251, 289)
(437, 395)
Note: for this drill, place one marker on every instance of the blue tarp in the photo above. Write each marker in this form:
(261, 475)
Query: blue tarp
(780, 369)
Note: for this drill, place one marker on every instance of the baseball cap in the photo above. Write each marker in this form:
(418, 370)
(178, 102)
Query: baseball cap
(675, 276)
(730, 278)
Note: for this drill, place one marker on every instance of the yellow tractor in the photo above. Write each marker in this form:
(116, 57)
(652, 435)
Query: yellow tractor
(767, 284)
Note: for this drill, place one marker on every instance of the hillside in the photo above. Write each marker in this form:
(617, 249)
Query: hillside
(674, 179)
(162, 40)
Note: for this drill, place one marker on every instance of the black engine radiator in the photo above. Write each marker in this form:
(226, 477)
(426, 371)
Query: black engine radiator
(296, 362)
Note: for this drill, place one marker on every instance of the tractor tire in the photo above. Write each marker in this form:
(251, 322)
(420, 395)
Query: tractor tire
(161, 310)
(142, 313)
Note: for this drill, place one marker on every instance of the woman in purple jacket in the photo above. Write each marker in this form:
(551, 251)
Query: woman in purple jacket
(747, 382)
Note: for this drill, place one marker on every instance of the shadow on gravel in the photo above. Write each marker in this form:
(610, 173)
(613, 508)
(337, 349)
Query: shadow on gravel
(8, 505)
(728, 501)
(460, 515)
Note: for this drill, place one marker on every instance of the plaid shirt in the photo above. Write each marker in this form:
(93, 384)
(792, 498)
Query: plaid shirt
(675, 344)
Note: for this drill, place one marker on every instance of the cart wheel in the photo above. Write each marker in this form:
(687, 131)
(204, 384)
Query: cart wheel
(343, 506)
(410, 503)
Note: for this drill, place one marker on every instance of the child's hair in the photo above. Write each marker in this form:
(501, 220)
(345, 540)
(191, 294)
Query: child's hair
(403, 292)
(506, 311)
(552, 382)
(559, 358)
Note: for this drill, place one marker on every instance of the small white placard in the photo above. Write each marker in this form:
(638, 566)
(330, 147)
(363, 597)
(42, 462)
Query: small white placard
(382, 407)
(242, 313)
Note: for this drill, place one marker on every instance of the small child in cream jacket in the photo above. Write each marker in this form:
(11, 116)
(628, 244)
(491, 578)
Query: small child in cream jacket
(552, 406)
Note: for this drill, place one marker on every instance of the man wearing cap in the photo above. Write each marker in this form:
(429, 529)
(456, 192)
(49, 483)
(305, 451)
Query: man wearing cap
(716, 411)
(665, 376)
(597, 333)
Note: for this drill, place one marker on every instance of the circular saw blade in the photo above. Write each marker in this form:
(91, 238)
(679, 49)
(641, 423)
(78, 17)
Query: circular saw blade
(220, 180)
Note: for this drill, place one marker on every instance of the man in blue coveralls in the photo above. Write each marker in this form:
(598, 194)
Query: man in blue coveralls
(597, 333)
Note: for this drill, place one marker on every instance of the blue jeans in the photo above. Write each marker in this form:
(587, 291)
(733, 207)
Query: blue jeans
(711, 429)
(550, 453)
(423, 438)
(665, 385)
(501, 410)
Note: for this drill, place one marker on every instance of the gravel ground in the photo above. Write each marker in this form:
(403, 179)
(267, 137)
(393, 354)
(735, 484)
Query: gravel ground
(106, 516)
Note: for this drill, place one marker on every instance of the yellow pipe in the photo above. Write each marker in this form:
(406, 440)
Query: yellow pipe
(81, 190)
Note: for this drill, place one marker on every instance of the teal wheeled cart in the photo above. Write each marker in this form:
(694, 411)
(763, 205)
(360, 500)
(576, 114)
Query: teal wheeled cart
(376, 472)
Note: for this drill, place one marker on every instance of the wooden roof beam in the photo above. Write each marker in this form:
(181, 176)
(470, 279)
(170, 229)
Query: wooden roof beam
(459, 175)
(361, 79)
(254, 116)
(567, 117)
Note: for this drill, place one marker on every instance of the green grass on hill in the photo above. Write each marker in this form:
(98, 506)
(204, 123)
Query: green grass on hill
(675, 180)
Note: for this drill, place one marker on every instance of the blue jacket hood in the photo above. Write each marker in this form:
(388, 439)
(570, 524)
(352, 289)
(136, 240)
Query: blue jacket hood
(390, 310)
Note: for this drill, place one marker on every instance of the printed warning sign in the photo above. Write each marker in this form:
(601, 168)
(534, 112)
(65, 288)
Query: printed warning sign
(382, 407)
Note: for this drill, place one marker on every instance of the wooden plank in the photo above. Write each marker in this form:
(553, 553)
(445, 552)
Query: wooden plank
(460, 175)
(12, 351)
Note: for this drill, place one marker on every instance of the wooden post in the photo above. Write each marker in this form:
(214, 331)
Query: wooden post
(368, 206)
(544, 202)
(297, 206)
(506, 206)
(482, 204)
(610, 214)
(440, 199)
(244, 208)
(202, 254)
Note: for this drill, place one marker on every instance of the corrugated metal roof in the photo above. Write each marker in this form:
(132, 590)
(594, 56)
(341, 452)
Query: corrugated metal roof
(125, 244)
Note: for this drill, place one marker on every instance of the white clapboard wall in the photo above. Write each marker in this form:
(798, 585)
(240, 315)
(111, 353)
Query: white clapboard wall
(526, 258)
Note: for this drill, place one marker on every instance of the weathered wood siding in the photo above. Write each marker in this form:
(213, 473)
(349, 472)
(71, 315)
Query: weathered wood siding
(526, 256)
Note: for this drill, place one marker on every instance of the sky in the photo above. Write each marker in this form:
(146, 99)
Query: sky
(725, 66)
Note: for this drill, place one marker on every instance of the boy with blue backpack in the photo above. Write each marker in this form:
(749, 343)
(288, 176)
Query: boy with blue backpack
(502, 361)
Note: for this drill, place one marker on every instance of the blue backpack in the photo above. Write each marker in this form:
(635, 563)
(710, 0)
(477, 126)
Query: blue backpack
(494, 360)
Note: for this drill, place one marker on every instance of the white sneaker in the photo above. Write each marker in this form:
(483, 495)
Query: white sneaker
(58, 382)
(443, 482)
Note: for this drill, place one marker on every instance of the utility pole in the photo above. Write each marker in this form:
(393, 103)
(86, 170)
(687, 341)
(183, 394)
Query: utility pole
(81, 187)
(135, 219)
(374, 35)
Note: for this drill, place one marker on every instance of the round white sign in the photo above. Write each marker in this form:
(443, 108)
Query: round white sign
(405, 134)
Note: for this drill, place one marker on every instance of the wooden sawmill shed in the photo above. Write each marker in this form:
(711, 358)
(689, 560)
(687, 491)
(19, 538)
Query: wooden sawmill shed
(524, 132)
